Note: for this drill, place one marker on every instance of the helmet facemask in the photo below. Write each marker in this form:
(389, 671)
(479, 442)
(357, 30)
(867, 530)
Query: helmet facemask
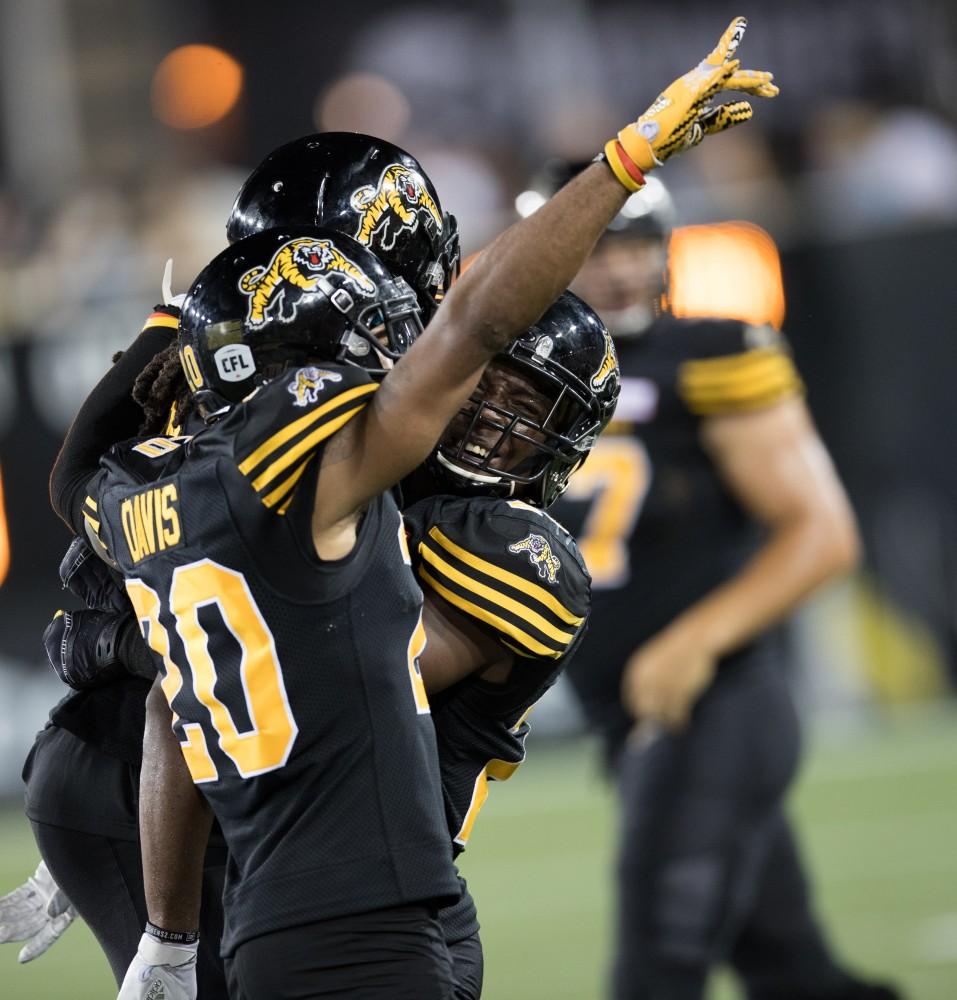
(524, 441)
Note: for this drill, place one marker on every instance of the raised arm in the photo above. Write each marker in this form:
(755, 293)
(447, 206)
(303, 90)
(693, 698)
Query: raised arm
(512, 283)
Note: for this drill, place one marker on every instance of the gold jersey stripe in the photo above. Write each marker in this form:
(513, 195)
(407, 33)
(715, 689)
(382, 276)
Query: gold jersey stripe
(732, 362)
(699, 373)
(161, 319)
(91, 503)
(540, 594)
(271, 499)
(92, 522)
(725, 407)
(288, 432)
(307, 444)
(768, 390)
(494, 770)
(537, 648)
(754, 385)
(472, 585)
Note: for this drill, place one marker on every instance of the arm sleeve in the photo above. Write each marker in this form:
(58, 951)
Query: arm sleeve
(736, 368)
(109, 414)
(507, 566)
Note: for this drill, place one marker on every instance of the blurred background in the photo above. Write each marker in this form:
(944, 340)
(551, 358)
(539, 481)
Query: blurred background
(125, 131)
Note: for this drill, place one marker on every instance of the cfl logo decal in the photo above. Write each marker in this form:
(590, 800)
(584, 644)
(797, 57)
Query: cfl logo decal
(395, 203)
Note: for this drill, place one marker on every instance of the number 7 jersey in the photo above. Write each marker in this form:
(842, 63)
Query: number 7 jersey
(294, 682)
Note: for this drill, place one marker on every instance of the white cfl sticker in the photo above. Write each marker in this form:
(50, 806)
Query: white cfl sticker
(234, 362)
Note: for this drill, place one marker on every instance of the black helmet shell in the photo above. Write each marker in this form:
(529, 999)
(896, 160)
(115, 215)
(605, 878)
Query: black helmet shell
(365, 187)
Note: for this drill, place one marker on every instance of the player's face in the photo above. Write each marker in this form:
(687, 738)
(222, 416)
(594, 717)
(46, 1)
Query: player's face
(509, 389)
(623, 273)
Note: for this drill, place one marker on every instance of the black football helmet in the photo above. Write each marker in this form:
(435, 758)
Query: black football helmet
(362, 186)
(569, 356)
(648, 213)
(287, 297)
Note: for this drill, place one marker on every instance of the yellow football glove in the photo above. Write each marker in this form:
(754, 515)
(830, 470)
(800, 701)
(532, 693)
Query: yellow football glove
(682, 115)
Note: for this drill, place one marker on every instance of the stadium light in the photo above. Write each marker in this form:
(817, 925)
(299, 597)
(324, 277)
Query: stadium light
(195, 86)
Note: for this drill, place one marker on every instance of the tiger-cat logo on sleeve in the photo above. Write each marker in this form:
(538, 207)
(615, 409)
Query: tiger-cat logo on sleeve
(293, 273)
(398, 202)
(540, 555)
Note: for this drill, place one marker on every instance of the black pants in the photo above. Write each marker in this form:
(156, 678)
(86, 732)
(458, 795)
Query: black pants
(708, 870)
(468, 968)
(82, 806)
(393, 954)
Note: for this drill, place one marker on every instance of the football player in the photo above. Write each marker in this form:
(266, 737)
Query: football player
(706, 515)
(615, 154)
(84, 814)
(503, 582)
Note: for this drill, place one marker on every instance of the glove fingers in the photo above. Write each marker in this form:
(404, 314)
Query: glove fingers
(724, 116)
(729, 42)
(758, 83)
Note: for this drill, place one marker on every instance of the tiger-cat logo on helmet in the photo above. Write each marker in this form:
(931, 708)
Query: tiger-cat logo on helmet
(609, 364)
(398, 202)
(540, 555)
(294, 272)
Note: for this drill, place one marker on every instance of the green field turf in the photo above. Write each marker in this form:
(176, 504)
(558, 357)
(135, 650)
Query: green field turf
(877, 807)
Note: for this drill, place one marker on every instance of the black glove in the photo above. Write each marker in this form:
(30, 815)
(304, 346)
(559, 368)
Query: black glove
(83, 573)
(83, 647)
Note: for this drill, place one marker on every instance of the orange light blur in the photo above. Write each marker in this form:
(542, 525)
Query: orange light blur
(4, 536)
(730, 270)
(195, 86)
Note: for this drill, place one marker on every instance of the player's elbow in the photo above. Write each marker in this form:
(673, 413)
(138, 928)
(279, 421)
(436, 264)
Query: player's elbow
(838, 541)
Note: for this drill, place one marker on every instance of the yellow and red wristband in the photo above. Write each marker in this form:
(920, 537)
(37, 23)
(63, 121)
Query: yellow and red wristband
(623, 166)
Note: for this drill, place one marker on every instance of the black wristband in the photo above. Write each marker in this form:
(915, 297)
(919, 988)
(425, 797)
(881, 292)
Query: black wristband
(171, 937)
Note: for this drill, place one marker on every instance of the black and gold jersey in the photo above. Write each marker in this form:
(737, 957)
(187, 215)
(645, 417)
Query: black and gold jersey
(518, 575)
(294, 682)
(656, 524)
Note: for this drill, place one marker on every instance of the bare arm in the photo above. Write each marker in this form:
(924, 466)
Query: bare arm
(776, 465)
(513, 282)
(457, 647)
(175, 821)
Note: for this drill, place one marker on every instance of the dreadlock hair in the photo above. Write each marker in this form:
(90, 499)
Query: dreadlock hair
(159, 387)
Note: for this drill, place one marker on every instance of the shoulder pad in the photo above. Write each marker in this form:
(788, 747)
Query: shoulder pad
(281, 426)
(732, 367)
(510, 567)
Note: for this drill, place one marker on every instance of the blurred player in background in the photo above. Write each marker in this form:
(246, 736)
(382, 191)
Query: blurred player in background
(707, 513)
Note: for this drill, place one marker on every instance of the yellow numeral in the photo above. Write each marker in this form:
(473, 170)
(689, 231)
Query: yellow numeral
(146, 604)
(616, 475)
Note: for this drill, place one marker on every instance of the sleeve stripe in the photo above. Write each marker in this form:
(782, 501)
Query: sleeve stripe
(495, 621)
(265, 479)
(91, 503)
(494, 770)
(495, 597)
(500, 575)
(291, 430)
(742, 388)
(94, 524)
(285, 487)
(759, 368)
(730, 363)
(161, 319)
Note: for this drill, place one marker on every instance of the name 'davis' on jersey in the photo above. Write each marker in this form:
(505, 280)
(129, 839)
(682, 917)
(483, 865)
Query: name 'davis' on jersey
(151, 521)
